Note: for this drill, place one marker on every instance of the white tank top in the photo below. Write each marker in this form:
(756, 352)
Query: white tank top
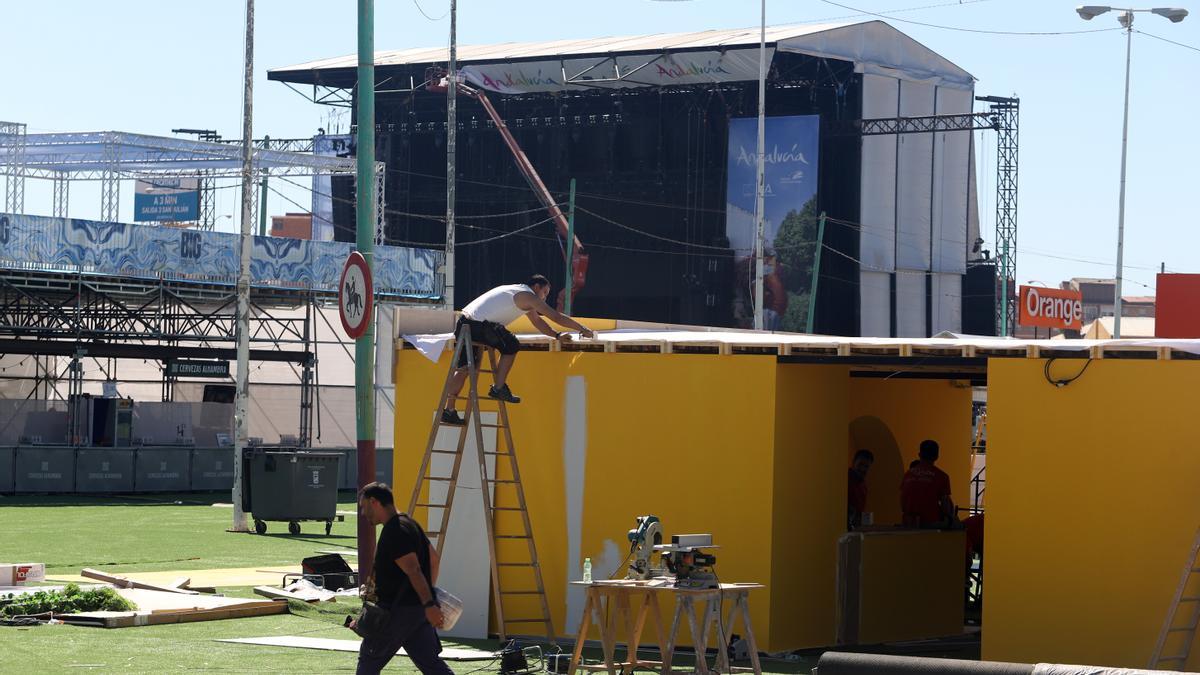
(498, 305)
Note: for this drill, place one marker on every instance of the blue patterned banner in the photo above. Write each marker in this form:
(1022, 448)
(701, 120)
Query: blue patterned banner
(153, 252)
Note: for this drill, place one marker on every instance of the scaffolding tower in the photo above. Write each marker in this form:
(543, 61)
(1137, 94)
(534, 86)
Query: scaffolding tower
(1007, 111)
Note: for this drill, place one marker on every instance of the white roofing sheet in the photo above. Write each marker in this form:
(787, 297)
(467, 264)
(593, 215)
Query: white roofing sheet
(870, 44)
(432, 345)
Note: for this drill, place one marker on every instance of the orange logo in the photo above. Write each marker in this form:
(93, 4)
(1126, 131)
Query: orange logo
(1051, 308)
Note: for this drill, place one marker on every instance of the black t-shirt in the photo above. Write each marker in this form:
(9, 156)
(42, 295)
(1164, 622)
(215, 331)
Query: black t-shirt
(400, 536)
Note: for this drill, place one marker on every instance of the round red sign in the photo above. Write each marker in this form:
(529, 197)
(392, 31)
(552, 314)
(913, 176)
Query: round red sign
(356, 296)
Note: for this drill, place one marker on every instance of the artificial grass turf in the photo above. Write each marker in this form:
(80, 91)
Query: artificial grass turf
(189, 647)
(182, 532)
(151, 533)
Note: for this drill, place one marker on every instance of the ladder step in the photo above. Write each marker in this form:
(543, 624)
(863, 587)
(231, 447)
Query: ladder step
(438, 478)
(1182, 629)
(434, 506)
(500, 564)
(526, 620)
(493, 480)
(512, 536)
(499, 454)
(1178, 657)
(444, 452)
(436, 533)
(507, 508)
(495, 426)
(1190, 598)
(520, 592)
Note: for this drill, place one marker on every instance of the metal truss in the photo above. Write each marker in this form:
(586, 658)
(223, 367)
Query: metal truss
(339, 97)
(62, 197)
(110, 184)
(304, 145)
(208, 204)
(380, 203)
(1007, 112)
(51, 314)
(12, 144)
(108, 155)
(924, 124)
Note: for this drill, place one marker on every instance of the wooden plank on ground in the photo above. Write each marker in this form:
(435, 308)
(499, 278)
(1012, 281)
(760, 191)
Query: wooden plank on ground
(304, 595)
(125, 582)
(130, 619)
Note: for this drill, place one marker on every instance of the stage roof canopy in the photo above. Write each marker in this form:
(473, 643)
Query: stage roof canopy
(616, 62)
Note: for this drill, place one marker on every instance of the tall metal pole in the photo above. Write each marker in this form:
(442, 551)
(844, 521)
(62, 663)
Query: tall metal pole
(1127, 21)
(760, 190)
(262, 198)
(570, 276)
(451, 134)
(365, 208)
(240, 413)
(816, 276)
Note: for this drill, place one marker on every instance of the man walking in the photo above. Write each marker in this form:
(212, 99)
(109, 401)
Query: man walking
(406, 567)
(487, 317)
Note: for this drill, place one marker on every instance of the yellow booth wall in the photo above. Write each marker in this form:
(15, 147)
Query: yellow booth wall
(809, 510)
(692, 445)
(1091, 506)
(890, 417)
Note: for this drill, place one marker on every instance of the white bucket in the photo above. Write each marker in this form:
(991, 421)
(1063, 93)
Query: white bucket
(452, 607)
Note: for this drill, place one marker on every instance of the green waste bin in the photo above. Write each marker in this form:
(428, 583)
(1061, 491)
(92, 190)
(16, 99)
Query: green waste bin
(290, 486)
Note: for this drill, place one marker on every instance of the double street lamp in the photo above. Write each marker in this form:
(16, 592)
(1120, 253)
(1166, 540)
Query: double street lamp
(1087, 13)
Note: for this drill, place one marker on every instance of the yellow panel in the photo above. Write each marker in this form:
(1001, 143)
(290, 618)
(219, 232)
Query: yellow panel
(809, 509)
(911, 586)
(688, 438)
(1091, 508)
(523, 325)
(891, 418)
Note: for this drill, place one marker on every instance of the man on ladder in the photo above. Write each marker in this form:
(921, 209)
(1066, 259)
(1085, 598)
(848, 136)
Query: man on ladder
(487, 317)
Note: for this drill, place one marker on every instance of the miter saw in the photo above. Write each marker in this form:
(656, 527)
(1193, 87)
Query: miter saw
(684, 558)
(643, 540)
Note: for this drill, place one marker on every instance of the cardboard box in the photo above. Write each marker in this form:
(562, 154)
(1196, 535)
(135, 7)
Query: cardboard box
(15, 574)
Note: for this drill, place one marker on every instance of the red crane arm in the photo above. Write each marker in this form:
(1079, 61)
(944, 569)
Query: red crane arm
(579, 256)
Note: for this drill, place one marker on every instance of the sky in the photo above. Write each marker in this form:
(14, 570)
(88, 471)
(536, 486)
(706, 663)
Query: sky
(150, 66)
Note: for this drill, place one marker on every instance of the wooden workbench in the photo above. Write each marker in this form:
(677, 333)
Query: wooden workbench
(610, 606)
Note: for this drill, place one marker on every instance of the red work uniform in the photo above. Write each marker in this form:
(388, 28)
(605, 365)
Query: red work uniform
(974, 527)
(856, 496)
(921, 494)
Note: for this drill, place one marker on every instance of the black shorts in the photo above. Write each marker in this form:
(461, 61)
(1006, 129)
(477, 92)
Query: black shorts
(486, 333)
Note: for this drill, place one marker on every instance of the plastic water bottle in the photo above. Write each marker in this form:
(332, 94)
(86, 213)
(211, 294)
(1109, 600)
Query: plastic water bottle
(587, 570)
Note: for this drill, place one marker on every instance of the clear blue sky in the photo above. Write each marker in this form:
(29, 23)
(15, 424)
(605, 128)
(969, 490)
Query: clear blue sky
(145, 66)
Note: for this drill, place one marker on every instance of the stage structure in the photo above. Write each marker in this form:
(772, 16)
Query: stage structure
(649, 128)
(74, 289)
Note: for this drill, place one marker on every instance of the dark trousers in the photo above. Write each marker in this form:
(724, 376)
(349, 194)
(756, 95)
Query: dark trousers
(408, 628)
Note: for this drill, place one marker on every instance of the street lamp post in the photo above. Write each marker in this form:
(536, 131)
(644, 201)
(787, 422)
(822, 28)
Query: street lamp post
(1087, 13)
(760, 181)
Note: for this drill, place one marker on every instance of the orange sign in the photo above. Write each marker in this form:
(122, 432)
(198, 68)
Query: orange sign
(1051, 308)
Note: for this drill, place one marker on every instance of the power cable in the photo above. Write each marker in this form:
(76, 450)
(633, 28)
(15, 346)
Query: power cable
(972, 30)
(506, 234)
(649, 234)
(960, 3)
(422, 11)
(1177, 44)
(1063, 382)
(440, 219)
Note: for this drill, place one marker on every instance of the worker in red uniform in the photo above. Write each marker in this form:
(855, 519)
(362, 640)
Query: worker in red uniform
(925, 492)
(974, 534)
(856, 488)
